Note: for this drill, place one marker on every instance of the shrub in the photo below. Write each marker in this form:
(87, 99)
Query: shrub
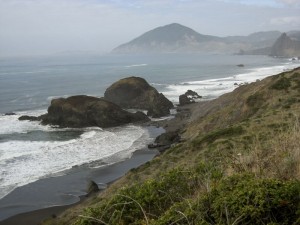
(251, 200)
(222, 133)
(240, 199)
(255, 100)
(282, 84)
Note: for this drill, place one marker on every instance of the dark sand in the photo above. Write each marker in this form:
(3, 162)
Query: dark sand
(37, 201)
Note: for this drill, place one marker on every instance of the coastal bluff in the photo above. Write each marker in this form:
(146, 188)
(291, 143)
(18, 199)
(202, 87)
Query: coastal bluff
(136, 93)
(85, 111)
(243, 145)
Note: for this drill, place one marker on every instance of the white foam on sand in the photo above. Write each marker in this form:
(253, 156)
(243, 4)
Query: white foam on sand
(136, 65)
(213, 88)
(25, 161)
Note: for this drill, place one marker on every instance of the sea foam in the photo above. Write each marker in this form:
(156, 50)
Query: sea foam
(25, 161)
(213, 88)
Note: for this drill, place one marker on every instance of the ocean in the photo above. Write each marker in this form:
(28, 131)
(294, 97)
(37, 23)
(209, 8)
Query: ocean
(30, 151)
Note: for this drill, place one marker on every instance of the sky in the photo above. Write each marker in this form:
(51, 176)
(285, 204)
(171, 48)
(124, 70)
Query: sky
(40, 27)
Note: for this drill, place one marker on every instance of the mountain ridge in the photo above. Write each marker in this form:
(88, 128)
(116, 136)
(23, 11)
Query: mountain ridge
(177, 38)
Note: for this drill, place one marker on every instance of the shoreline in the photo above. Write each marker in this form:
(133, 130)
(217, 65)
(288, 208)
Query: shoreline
(32, 202)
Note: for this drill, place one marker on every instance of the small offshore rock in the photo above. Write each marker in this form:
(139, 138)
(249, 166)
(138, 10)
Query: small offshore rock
(10, 114)
(188, 97)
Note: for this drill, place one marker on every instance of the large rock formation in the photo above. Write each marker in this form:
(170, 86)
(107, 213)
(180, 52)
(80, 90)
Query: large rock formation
(286, 47)
(85, 111)
(136, 93)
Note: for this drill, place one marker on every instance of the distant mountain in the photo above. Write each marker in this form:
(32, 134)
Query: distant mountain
(170, 38)
(256, 40)
(286, 46)
(178, 38)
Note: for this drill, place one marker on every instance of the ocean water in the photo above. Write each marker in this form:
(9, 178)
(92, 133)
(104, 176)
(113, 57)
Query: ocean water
(30, 151)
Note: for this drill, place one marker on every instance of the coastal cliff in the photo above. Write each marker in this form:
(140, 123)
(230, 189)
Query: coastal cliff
(238, 162)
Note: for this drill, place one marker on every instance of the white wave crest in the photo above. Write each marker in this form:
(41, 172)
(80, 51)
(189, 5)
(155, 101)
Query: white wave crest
(213, 88)
(136, 65)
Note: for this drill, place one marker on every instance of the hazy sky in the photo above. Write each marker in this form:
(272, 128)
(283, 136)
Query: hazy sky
(50, 26)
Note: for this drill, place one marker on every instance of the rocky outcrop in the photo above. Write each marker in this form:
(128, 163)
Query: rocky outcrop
(188, 97)
(92, 188)
(86, 111)
(165, 140)
(136, 93)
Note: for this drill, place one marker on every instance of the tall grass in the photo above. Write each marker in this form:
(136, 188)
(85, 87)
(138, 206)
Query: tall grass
(277, 155)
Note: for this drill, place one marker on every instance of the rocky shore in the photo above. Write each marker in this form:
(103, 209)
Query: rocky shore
(173, 128)
(84, 111)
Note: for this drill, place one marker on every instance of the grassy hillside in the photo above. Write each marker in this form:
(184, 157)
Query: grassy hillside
(239, 164)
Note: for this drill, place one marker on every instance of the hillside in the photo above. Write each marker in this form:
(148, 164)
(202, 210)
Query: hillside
(238, 163)
(178, 38)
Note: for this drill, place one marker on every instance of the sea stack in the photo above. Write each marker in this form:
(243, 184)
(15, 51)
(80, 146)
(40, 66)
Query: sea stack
(136, 93)
(87, 111)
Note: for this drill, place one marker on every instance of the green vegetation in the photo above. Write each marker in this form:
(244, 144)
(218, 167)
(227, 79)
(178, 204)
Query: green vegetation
(173, 199)
(282, 84)
(240, 164)
(240, 199)
(255, 100)
(144, 203)
(222, 133)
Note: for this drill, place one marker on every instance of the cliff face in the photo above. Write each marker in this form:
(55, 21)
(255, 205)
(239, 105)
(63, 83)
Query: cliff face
(285, 47)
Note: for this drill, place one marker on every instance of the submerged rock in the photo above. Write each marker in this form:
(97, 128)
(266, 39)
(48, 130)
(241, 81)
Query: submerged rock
(135, 92)
(30, 118)
(86, 111)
